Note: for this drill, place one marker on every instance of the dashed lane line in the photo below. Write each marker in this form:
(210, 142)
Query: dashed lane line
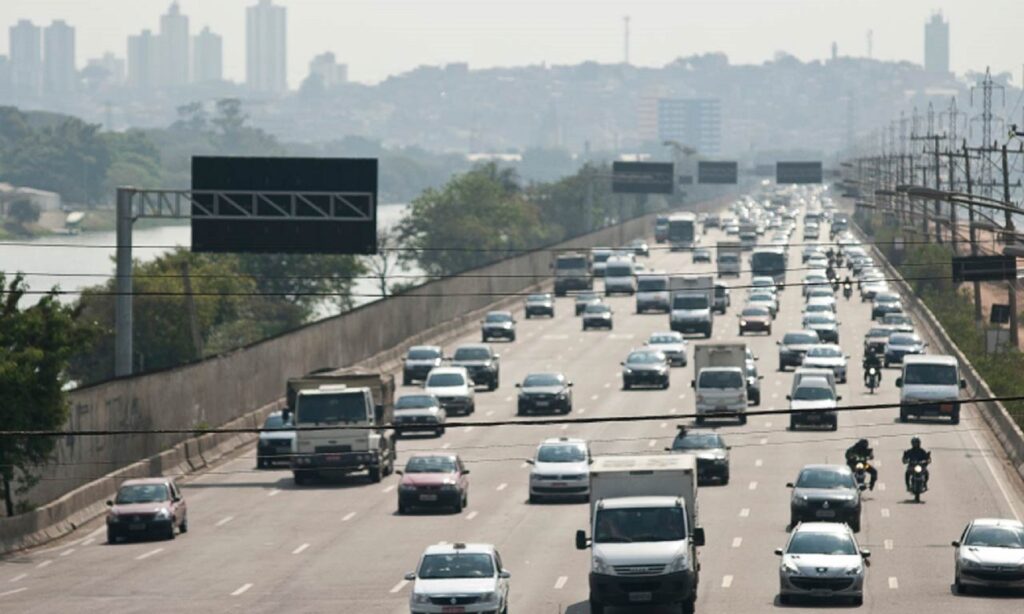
(664, 425)
(13, 591)
(885, 512)
(402, 584)
(524, 465)
(758, 462)
(753, 486)
(508, 399)
(745, 512)
(300, 549)
(446, 446)
(274, 492)
(607, 385)
(468, 429)
(348, 516)
(893, 583)
(146, 555)
(887, 544)
(471, 515)
(18, 577)
(565, 427)
(44, 564)
(581, 410)
(764, 441)
(388, 489)
(502, 486)
(737, 542)
(490, 413)
(223, 521)
(89, 541)
(96, 533)
(880, 486)
(560, 582)
(241, 589)
(67, 552)
(726, 581)
(595, 397)
(768, 425)
(652, 443)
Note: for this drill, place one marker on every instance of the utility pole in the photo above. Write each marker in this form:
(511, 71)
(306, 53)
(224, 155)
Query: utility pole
(987, 119)
(972, 232)
(1008, 240)
(193, 314)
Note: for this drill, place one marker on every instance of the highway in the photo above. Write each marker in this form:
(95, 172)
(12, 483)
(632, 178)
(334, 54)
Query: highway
(257, 543)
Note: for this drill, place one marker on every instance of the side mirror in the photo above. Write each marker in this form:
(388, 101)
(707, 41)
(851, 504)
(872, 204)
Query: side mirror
(839, 398)
(866, 554)
(899, 382)
(465, 472)
(529, 461)
(778, 343)
(569, 384)
(778, 552)
(581, 540)
(399, 472)
(411, 576)
(518, 385)
(789, 397)
(668, 448)
(504, 574)
(963, 383)
(693, 383)
(110, 503)
(789, 485)
(760, 377)
(698, 536)
(955, 543)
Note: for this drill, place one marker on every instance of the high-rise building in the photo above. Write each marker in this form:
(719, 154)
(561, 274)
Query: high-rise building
(328, 70)
(143, 60)
(936, 45)
(207, 57)
(26, 59)
(174, 48)
(694, 122)
(60, 75)
(111, 65)
(266, 48)
(5, 77)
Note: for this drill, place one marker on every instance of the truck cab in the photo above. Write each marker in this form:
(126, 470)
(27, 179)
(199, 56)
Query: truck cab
(930, 386)
(572, 272)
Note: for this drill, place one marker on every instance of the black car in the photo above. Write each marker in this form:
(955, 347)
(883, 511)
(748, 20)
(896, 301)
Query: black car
(418, 413)
(701, 254)
(640, 247)
(885, 302)
(711, 452)
(544, 392)
(498, 325)
(597, 315)
(794, 345)
(275, 441)
(480, 362)
(419, 361)
(646, 367)
(539, 305)
(586, 298)
(825, 493)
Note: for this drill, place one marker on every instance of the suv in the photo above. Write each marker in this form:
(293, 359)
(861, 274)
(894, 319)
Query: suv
(275, 440)
(149, 506)
(469, 575)
(822, 559)
(498, 325)
(481, 362)
(453, 388)
(539, 305)
(560, 469)
(419, 412)
(794, 345)
(433, 480)
(419, 361)
(544, 392)
(826, 493)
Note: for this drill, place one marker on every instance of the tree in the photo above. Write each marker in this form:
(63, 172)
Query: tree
(38, 342)
(70, 158)
(384, 262)
(23, 212)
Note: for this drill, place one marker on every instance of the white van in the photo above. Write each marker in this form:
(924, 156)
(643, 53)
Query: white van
(929, 386)
(721, 390)
(619, 276)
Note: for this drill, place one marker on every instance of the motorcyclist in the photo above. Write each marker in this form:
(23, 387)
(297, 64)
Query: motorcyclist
(914, 455)
(872, 360)
(847, 287)
(860, 452)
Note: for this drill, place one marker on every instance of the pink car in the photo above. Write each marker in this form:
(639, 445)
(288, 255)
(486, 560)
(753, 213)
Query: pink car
(432, 480)
(146, 507)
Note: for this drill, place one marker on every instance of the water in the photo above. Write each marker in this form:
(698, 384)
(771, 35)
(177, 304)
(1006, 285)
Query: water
(91, 255)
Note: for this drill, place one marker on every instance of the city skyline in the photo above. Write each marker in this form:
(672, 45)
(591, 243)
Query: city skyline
(360, 33)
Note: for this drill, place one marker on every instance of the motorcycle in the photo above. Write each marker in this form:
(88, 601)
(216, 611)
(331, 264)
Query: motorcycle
(918, 480)
(860, 472)
(847, 290)
(872, 378)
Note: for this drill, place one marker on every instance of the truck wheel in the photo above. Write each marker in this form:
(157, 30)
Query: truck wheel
(903, 415)
(402, 509)
(699, 420)
(756, 399)
(689, 606)
(743, 419)
(955, 418)
(374, 473)
(527, 314)
(406, 380)
(261, 463)
(299, 477)
(596, 608)
(111, 536)
(785, 599)
(458, 506)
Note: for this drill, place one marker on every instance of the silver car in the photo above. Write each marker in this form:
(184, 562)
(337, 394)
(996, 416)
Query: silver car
(672, 344)
(822, 560)
(560, 469)
(990, 553)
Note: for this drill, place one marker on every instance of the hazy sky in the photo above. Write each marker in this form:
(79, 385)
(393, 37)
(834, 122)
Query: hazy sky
(378, 38)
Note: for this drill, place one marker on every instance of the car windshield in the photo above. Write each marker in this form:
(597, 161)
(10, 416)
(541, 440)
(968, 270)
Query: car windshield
(142, 493)
(760, 297)
(819, 319)
(825, 351)
(880, 332)
(825, 478)
(756, 311)
(542, 379)
(415, 401)
(423, 354)
(903, 340)
(332, 407)
(806, 542)
(728, 258)
(598, 308)
(587, 296)
(498, 317)
(818, 308)
(664, 339)
(995, 537)
(799, 339)
(430, 464)
(472, 354)
(601, 256)
(698, 441)
(720, 379)
(456, 565)
(645, 358)
(623, 526)
(652, 284)
(896, 318)
(690, 302)
(537, 298)
(562, 453)
(886, 298)
(276, 421)
(813, 393)
(819, 292)
(930, 375)
(440, 380)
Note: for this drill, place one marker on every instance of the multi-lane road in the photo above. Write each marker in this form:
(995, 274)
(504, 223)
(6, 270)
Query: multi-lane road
(258, 543)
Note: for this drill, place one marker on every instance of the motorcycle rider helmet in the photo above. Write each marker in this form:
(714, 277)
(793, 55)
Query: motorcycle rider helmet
(915, 442)
(862, 443)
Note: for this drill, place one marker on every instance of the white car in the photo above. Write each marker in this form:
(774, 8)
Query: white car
(764, 298)
(672, 345)
(815, 280)
(827, 356)
(764, 282)
(459, 577)
(990, 553)
(822, 559)
(813, 393)
(560, 469)
(453, 388)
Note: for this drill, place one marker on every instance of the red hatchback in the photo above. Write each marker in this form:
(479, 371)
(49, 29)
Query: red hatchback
(146, 507)
(433, 480)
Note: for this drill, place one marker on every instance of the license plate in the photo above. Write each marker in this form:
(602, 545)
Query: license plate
(721, 408)
(825, 514)
(138, 526)
(453, 609)
(559, 484)
(332, 458)
(813, 418)
(640, 597)
(543, 403)
(428, 497)
(946, 408)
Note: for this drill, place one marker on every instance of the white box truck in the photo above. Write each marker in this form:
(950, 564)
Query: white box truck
(720, 380)
(644, 531)
(728, 258)
(693, 301)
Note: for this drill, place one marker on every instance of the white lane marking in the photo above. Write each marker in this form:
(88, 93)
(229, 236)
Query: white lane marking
(758, 462)
(524, 465)
(775, 395)
(507, 399)
(502, 486)
(274, 492)
(348, 516)
(19, 577)
(672, 410)
(67, 552)
(767, 425)
(12, 592)
(560, 582)
(399, 586)
(664, 425)
(607, 385)
(490, 413)
(468, 429)
(595, 397)
(893, 583)
(146, 555)
(581, 410)
(300, 549)
(880, 486)
(682, 396)
(446, 446)
(621, 336)
(995, 475)
(471, 515)
(885, 512)
(241, 589)
(89, 541)
(96, 533)
(888, 544)
(565, 427)
(652, 443)
(764, 440)
(753, 486)
(745, 512)
(223, 521)
(737, 542)
(44, 564)
(726, 581)
(388, 489)
(876, 463)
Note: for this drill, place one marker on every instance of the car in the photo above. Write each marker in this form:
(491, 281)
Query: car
(723, 297)
(481, 362)
(822, 559)
(652, 292)
(819, 307)
(709, 448)
(732, 229)
(989, 554)
(822, 291)
(418, 413)
(561, 468)
(753, 381)
(825, 493)
(764, 282)
(498, 325)
(764, 298)
(583, 299)
(645, 367)
(817, 262)
(701, 254)
(549, 392)
(876, 338)
(885, 302)
(146, 507)
(470, 575)
(810, 251)
(813, 393)
(794, 345)
(539, 305)
(712, 221)
(275, 440)
(672, 344)
(599, 256)
(869, 290)
(640, 247)
(418, 362)
(755, 317)
(901, 344)
(433, 480)
(860, 264)
(453, 388)
(597, 315)
(828, 356)
(828, 301)
(824, 322)
(815, 280)
(899, 321)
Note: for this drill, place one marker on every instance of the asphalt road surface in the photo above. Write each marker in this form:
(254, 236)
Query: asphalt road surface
(259, 544)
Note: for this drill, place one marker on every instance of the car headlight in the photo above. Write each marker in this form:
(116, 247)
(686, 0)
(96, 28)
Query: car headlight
(800, 501)
(743, 322)
(626, 371)
(854, 571)
(163, 514)
(406, 487)
(678, 564)
(969, 563)
(489, 597)
(790, 568)
(536, 477)
(420, 599)
(851, 502)
(111, 516)
(598, 565)
(448, 486)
